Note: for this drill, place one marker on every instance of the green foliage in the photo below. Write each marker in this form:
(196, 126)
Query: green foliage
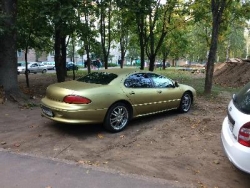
(112, 65)
(34, 30)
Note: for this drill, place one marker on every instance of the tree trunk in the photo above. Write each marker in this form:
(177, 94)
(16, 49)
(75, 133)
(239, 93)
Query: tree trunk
(217, 11)
(58, 56)
(64, 54)
(152, 62)
(87, 49)
(8, 49)
(26, 68)
(140, 26)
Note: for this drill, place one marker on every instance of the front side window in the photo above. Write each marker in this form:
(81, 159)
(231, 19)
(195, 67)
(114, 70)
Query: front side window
(98, 78)
(242, 99)
(161, 81)
(34, 65)
(139, 80)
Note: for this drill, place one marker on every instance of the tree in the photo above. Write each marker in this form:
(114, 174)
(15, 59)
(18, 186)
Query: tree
(175, 45)
(139, 10)
(217, 7)
(30, 34)
(62, 16)
(8, 50)
(122, 33)
(105, 9)
(161, 22)
(86, 29)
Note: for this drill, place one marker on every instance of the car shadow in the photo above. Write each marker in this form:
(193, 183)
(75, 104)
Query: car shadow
(88, 130)
(77, 130)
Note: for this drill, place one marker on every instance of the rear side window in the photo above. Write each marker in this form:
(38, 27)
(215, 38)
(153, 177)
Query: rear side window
(242, 99)
(98, 78)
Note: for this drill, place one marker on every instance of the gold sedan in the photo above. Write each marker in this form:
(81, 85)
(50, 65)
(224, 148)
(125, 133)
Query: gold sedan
(113, 97)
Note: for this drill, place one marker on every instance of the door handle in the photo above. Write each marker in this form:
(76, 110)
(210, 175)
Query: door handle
(132, 93)
(159, 91)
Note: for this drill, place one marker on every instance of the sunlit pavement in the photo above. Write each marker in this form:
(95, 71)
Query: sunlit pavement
(24, 171)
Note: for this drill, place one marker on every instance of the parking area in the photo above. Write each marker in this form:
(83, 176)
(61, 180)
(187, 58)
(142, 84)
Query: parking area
(185, 148)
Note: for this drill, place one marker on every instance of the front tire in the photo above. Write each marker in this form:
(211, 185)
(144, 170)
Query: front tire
(186, 102)
(117, 117)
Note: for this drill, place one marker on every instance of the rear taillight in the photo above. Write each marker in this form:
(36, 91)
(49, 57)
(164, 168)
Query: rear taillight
(75, 99)
(244, 135)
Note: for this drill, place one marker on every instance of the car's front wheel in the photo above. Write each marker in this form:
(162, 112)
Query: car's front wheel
(117, 117)
(186, 102)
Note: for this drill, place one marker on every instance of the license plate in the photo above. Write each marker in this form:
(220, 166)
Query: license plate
(47, 111)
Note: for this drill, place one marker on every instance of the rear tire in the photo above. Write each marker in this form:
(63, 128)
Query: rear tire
(117, 117)
(186, 102)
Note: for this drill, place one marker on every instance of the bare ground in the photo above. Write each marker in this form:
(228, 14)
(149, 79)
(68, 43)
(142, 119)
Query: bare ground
(185, 148)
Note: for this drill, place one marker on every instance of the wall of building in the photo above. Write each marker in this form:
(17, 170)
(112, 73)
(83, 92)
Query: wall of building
(31, 56)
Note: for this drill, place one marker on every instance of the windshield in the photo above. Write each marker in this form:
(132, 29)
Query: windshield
(242, 99)
(98, 78)
(20, 64)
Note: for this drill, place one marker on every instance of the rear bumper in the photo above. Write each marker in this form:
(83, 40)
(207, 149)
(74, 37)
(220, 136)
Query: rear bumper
(238, 154)
(77, 115)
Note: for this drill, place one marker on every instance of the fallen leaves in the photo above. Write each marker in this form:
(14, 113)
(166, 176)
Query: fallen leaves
(91, 163)
(216, 162)
(122, 136)
(17, 144)
(100, 136)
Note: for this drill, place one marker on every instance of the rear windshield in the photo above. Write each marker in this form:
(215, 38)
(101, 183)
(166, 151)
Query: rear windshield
(242, 99)
(98, 78)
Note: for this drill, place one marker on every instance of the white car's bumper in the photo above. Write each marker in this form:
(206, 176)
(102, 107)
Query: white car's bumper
(238, 154)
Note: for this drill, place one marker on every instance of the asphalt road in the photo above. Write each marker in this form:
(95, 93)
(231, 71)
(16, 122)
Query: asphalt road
(24, 171)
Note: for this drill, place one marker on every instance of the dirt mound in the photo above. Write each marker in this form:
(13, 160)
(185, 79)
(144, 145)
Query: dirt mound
(232, 74)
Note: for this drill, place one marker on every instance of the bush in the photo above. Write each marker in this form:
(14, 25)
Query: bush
(112, 65)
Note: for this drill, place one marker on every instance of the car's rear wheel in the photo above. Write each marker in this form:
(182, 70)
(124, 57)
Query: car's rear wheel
(44, 71)
(117, 117)
(186, 102)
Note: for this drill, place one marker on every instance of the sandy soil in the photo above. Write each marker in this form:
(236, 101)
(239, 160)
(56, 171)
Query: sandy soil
(185, 148)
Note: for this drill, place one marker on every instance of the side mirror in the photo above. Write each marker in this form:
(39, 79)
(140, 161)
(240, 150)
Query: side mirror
(176, 84)
(234, 97)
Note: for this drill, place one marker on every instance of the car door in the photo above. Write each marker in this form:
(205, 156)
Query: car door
(33, 67)
(139, 89)
(168, 95)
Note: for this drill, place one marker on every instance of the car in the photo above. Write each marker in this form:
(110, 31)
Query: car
(33, 67)
(71, 66)
(113, 97)
(235, 133)
(21, 67)
(50, 65)
(158, 65)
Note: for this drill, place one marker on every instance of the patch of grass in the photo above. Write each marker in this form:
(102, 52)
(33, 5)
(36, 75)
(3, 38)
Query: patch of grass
(78, 73)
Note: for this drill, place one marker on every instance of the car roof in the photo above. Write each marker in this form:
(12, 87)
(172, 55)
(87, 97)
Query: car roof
(122, 73)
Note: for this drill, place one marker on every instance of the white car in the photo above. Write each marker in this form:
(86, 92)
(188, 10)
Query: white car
(33, 67)
(235, 134)
(20, 68)
(50, 65)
